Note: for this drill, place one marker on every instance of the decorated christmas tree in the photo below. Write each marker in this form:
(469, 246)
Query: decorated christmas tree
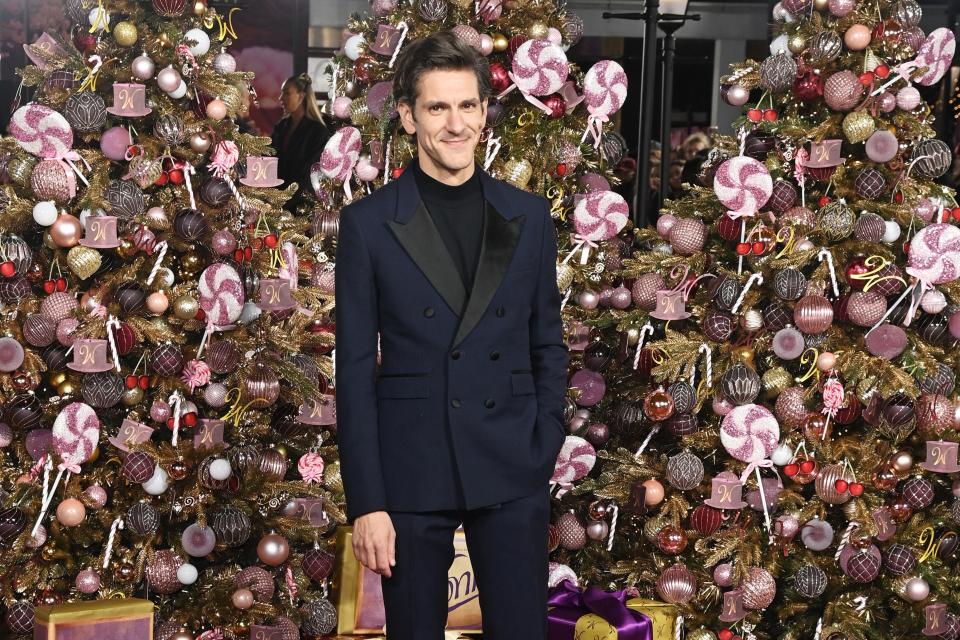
(168, 426)
(778, 427)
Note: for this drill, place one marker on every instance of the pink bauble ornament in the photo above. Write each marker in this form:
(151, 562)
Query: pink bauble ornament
(908, 98)
(882, 146)
(687, 236)
(857, 37)
(840, 8)
(887, 102)
(813, 314)
(917, 589)
(654, 492)
(273, 549)
(71, 512)
(486, 44)
(157, 302)
(723, 574)
(736, 95)
(88, 581)
(341, 107)
(721, 406)
(161, 572)
(216, 109)
(97, 496)
(223, 242)
(168, 79)
(842, 91)
(114, 142)
(676, 585)
(750, 433)
(665, 224)
(142, 67)
(759, 589)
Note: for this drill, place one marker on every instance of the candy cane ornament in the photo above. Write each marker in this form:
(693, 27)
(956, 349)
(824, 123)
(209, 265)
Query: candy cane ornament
(755, 277)
(825, 253)
(646, 330)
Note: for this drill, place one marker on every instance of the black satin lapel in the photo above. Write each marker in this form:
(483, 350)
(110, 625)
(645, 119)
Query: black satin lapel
(421, 240)
(500, 239)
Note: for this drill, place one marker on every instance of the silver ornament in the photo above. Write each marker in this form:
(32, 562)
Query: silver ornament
(684, 471)
(778, 72)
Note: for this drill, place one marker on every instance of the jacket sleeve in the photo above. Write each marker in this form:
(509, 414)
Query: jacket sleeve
(356, 361)
(547, 348)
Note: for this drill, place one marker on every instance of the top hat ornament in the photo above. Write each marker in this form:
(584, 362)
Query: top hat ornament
(129, 100)
(672, 303)
(941, 457)
(825, 154)
(726, 492)
(318, 412)
(936, 619)
(732, 606)
(101, 233)
(90, 356)
(261, 172)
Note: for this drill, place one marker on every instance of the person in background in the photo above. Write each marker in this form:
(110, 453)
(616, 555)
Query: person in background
(247, 99)
(694, 144)
(301, 134)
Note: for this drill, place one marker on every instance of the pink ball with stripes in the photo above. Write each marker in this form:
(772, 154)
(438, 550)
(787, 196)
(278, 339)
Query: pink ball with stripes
(41, 131)
(600, 215)
(576, 459)
(76, 432)
(743, 185)
(605, 88)
(935, 254)
(539, 67)
(341, 154)
(221, 294)
(749, 433)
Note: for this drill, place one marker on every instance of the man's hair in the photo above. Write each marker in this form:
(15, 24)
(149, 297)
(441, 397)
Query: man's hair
(439, 51)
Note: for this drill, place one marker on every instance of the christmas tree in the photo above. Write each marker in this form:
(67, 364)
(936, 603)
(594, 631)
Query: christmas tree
(168, 426)
(778, 430)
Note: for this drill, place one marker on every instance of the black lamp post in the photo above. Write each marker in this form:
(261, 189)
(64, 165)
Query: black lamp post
(673, 17)
(641, 185)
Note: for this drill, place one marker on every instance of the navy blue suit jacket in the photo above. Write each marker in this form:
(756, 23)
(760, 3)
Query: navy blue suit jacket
(463, 410)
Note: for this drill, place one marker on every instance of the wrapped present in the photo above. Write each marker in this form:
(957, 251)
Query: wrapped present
(595, 614)
(662, 615)
(117, 619)
(359, 597)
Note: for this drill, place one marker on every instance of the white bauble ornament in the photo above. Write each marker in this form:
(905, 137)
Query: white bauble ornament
(159, 483)
(220, 469)
(179, 92)
(202, 41)
(353, 47)
(45, 213)
(891, 231)
(782, 455)
(187, 574)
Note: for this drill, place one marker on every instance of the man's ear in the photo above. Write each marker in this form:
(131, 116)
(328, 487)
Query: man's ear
(407, 118)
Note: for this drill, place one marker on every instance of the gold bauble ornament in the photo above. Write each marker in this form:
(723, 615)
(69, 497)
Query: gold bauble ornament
(564, 277)
(83, 261)
(821, 5)
(185, 307)
(797, 43)
(190, 263)
(360, 113)
(125, 33)
(282, 450)
(538, 31)
(199, 7)
(132, 397)
(701, 634)
(126, 249)
(332, 479)
(500, 42)
(743, 354)
(775, 381)
(20, 169)
(200, 142)
(518, 172)
(66, 388)
(857, 126)
(57, 378)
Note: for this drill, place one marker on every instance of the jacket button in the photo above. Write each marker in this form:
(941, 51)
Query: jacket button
(489, 404)
(455, 403)
(501, 312)
(455, 355)
(494, 355)
(428, 312)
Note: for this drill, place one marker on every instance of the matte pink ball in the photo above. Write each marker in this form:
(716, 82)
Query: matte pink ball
(114, 142)
(168, 79)
(217, 109)
(826, 361)
(588, 300)
(486, 44)
(664, 224)
(273, 549)
(857, 37)
(157, 302)
(71, 512)
(737, 95)
(142, 67)
(97, 496)
(955, 325)
(654, 494)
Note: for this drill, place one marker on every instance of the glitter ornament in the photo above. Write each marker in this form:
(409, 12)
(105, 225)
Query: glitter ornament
(777, 72)
(161, 571)
(866, 308)
(858, 126)
(759, 589)
(842, 91)
(723, 574)
(684, 471)
(935, 414)
(687, 236)
(319, 617)
(810, 581)
(573, 535)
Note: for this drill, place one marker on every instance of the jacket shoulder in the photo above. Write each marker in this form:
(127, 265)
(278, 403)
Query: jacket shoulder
(525, 200)
(378, 205)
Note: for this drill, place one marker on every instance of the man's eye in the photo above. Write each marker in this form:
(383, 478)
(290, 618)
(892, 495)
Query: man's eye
(469, 107)
(436, 108)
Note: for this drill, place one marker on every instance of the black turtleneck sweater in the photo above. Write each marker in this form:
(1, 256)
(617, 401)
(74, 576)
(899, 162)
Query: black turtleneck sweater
(457, 212)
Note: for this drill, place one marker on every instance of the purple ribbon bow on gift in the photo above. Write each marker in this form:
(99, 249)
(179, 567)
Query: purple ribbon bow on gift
(568, 604)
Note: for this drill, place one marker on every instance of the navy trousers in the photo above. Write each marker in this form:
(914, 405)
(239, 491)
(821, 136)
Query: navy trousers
(508, 550)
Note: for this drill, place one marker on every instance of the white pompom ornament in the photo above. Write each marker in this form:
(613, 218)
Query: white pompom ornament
(782, 455)
(891, 231)
(187, 574)
(220, 469)
(157, 484)
(353, 47)
(45, 213)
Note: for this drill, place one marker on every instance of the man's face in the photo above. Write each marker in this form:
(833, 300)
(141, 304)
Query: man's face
(448, 118)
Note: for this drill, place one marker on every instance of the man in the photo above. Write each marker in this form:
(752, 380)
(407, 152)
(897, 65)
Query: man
(456, 272)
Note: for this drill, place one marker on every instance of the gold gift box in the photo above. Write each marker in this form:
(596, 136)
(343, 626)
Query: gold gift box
(359, 597)
(117, 619)
(663, 615)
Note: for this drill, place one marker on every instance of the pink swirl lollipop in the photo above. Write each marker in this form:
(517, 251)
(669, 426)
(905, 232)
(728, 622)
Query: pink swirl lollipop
(76, 432)
(743, 185)
(341, 154)
(41, 131)
(935, 54)
(221, 294)
(539, 68)
(310, 467)
(605, 88)
(576, 459)
(935, 254)
(749, 433)
(600, 215)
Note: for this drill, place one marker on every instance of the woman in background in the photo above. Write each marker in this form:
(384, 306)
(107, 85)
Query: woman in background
(300, 135)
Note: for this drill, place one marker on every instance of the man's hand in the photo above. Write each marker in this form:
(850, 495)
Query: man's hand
(373, 542)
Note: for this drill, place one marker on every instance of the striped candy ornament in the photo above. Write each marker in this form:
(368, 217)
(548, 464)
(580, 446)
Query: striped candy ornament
(743, 185)
(341, 154)
(76, 432)
(41, 131)
(600, 215)
(605, 88)
(539, 68)
(221, 294)
(749, 433)
(576, 459)
(935, 254)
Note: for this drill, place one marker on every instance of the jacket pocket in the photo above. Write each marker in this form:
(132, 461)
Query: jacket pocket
(403, 386)
(522, 383)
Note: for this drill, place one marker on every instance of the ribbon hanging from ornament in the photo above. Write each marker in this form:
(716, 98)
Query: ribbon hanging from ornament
(583, 244)
(595, 122)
